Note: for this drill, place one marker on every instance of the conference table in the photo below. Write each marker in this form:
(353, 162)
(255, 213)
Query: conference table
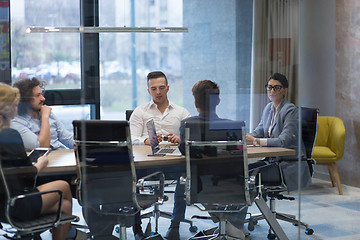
(64, 160)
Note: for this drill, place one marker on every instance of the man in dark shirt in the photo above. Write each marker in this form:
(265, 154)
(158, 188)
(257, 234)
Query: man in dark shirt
(206, 95)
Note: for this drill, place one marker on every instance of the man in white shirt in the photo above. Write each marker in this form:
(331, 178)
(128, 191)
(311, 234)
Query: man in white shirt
(167, 117)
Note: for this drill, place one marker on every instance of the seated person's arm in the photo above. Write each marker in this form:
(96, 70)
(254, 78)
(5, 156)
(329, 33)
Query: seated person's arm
(289, 133)
(41, 163)
(137, 127)
(286, 138)
(44, 135)
(158, 139)
(258, 133)
(173, 138)
(64, 135)
(29, 138)
(182, 137)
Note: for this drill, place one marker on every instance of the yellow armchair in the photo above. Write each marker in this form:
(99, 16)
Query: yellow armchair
(329, 146)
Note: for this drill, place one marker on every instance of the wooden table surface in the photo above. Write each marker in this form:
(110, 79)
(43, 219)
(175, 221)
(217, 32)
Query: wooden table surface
(64, 160)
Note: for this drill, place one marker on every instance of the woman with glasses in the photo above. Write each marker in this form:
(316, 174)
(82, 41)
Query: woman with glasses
(279, 128)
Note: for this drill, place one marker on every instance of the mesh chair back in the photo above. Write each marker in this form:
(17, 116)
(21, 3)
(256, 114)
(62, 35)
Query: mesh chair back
(309, 119)
(128, 114)
(217, 168)
(100, 131)
(106, 165)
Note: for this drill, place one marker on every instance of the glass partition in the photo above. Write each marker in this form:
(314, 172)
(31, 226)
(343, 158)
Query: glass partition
(237, 44)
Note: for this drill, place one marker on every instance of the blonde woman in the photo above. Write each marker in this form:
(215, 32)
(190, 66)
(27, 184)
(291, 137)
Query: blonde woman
(13, 155)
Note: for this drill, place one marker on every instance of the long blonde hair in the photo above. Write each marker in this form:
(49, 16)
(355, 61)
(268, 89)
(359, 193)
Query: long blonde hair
(9, 99)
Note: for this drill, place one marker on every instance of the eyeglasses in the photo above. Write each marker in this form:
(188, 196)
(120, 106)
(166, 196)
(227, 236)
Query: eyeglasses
(276, 87)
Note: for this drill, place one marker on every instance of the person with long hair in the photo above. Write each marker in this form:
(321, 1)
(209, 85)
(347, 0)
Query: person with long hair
(13, 155)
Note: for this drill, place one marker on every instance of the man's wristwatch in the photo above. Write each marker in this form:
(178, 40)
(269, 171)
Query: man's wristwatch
(255, 142)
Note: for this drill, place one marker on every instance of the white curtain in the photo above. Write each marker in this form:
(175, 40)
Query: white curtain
(275, 49)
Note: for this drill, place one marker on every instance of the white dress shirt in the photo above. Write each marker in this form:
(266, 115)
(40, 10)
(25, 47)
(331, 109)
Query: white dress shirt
(167, 122)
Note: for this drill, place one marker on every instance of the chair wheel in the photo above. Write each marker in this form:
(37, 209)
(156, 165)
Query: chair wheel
(271, 236)
(309, 231)
(251, 224)
(193, 228)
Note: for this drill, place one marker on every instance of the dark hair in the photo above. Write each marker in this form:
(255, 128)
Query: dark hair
(26, 87)
(201, 92)
(281, 78)
(156, 74)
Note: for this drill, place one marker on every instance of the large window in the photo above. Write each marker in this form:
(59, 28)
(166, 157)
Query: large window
(126, 58)
(54, 58)
(217, 47)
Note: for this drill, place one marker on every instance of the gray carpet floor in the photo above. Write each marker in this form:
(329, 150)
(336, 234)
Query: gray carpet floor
(329, 214)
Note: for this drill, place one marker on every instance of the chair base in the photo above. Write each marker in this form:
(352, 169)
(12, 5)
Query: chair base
(156, 213)
(122, 234)
(155, 237)
(217, 233)
(35, 236)
(254, 218)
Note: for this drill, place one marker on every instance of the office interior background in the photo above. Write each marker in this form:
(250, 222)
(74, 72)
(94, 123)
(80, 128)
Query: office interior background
(236, 43)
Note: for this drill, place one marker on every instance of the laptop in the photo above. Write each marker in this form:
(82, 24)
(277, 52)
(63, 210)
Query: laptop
(156, 150)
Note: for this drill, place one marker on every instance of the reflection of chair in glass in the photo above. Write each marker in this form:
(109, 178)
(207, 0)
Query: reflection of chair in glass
(107, 174)
(156, 210)
(217, 175)
(329, 146)
(32, 228)
(274, 189)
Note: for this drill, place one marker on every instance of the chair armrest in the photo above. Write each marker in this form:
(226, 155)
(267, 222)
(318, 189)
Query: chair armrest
(337, 138)
(12, 200)
(160, 178)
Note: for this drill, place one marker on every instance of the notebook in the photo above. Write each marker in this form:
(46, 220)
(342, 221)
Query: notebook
(156, 150)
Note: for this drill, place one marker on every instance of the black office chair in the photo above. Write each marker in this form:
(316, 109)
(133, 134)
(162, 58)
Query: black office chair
(33, 228)
(157, 211)
(107, 175)
(309, 124)
(217, 172)
(274, 190)
(128, 114)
